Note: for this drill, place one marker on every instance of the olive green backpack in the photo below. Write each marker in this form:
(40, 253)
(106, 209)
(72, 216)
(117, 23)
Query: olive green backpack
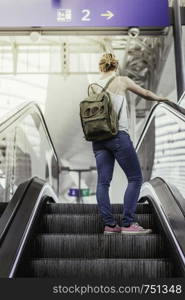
(98, 118)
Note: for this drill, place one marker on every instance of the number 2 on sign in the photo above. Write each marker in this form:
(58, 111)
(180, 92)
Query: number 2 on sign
(86, 13)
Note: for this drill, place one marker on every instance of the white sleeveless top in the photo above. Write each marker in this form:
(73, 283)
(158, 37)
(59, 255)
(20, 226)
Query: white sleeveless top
(117, 102)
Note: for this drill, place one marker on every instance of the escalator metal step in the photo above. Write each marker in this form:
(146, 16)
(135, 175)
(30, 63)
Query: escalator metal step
(85, 223)
(97, 246)
(101, 270)
(58, 208)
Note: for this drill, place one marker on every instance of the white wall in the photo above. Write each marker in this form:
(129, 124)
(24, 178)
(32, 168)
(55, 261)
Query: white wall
(62, 116)
(63, 119)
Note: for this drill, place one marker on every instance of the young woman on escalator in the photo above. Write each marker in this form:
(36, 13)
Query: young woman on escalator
(119, 148)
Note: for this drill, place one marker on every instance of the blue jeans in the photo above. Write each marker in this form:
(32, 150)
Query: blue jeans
(120, 148)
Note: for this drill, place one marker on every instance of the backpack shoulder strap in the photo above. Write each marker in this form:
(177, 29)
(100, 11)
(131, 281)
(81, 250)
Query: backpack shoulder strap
(91, 87)
(103, 88)
(120, 109)
(109, 82)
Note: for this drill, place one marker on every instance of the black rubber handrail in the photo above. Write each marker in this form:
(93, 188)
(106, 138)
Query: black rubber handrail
(11, 209)
(11, 119)
(159, 194)
(30, 198)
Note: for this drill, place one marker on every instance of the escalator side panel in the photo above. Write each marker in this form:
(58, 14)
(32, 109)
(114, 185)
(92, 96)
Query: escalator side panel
(21, 226)
(170, 217)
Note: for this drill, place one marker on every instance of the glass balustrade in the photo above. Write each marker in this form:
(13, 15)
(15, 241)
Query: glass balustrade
(162, 149)
(25, 151)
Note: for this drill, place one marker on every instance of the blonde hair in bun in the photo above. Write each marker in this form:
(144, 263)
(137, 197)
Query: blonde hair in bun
(108, 62)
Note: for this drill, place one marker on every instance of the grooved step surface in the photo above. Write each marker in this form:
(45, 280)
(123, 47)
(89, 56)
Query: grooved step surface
(69, 244)
(101, 270)
(58, 208)
(97, 246)
(84, 223)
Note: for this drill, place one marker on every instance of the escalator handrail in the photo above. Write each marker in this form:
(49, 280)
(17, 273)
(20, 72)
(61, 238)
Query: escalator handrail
(11, 209)
(16, 111)
(152, 191)
(22, 110)
(30, 203)
(170, 106)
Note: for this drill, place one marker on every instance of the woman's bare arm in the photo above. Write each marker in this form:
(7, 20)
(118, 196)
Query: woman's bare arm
(146, 94)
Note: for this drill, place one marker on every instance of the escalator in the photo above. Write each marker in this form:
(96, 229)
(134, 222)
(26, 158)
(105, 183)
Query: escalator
(69, 244)
(41, 237)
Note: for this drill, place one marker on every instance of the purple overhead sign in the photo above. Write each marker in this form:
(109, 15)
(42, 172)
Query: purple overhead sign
(84, 13)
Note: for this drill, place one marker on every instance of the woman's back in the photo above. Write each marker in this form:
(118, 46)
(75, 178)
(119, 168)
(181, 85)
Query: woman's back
(118, 86)
(118, 98)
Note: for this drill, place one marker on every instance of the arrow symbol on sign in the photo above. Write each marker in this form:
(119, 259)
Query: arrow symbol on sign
(108, 14)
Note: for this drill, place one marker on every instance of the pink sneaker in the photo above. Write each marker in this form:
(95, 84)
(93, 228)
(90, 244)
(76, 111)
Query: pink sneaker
(135, 228)
(110, 230)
